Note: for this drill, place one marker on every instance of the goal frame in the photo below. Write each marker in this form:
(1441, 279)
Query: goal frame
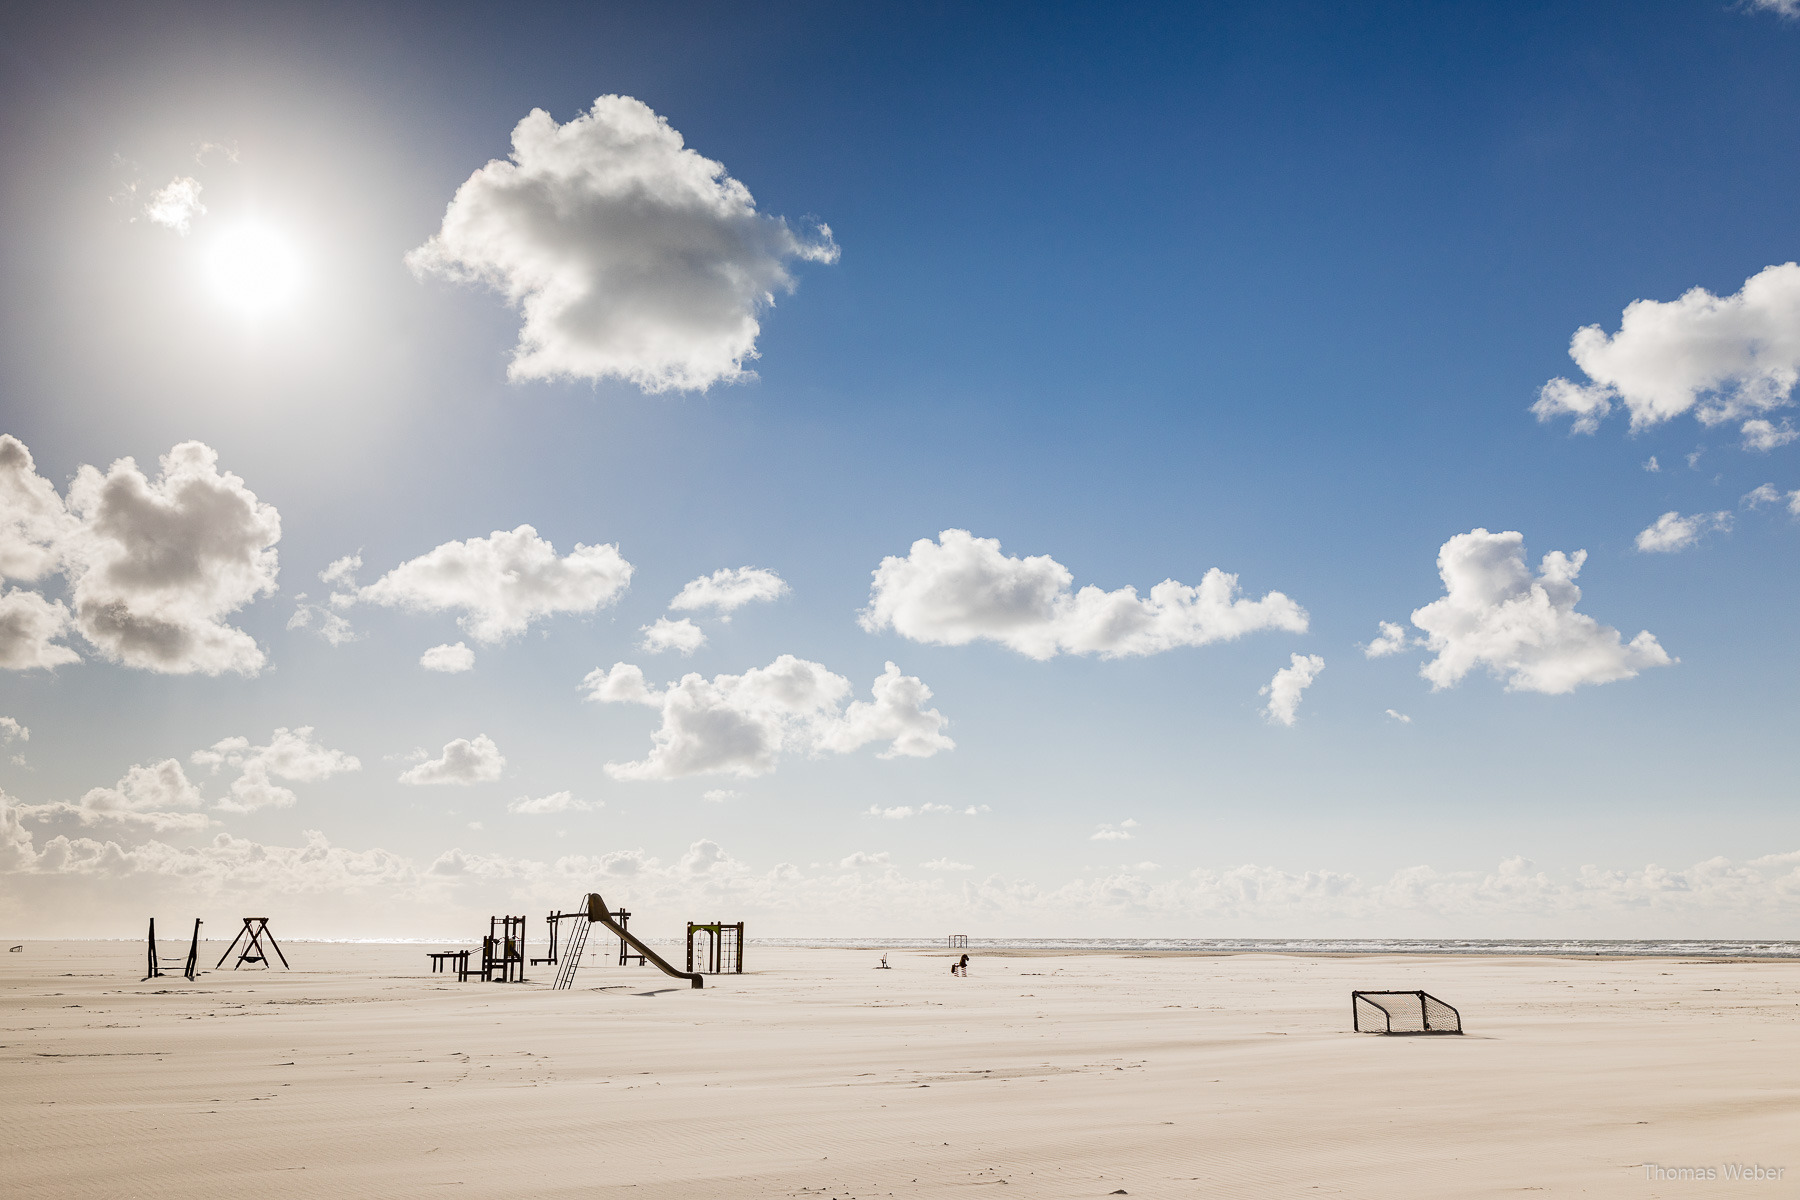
(1386, 1002)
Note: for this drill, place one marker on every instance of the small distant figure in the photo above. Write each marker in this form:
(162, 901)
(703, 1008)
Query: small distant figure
(884, 964)
(960, 967)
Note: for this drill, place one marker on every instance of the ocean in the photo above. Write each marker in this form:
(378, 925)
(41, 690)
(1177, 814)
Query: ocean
(1566, 947)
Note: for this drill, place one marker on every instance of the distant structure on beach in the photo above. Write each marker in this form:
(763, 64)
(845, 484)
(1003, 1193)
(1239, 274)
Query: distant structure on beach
(721, 947)
(253, 935)
(190, 964)
(1402, 1012)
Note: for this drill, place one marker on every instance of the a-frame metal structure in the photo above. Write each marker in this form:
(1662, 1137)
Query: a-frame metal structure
(257, 931)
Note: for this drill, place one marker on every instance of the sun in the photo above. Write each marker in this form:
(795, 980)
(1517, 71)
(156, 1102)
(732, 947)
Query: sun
(254, 269)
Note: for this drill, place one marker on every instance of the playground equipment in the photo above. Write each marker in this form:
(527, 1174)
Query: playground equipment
(957, 941)
(721, 947)
(1402, 1012)
(257, 928)
(456, 961)
(622, 917)
(190, 968)
(598, 913)
(550, 920)
(503, 951)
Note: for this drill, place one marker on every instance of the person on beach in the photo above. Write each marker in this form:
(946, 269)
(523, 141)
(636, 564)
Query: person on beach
(960, 967)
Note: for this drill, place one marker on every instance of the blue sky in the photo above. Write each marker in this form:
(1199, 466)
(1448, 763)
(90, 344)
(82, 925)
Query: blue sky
(1272, 291)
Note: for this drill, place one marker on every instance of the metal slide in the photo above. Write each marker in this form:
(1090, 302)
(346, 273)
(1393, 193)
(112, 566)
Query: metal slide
(599, 914)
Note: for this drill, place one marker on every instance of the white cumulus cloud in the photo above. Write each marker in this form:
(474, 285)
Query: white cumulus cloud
(719, 795)
(555, 802)
(156, 565)
(1522, 627)
(960, 588)
(1392, 641)
(682, 635)
(901, 812)
(333, 627)
(945, 864)
(1400, 717)
(630, 255)
(503, 582)
(34, 525)
(463, 762)
(296, 756)
(742, 724)
(1723, 358)
(1768, 493)
(1764, 436)
(1672, 531)
(1114, 833)
(343, 570)
(157, 797)
(729, 589)
(1290, 682)
(161, 785)
(450, 659)
(30, 629)
(1756, 497)
(176, 204)
(153, 566)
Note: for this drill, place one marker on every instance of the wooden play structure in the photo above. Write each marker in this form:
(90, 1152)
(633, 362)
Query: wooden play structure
(189, 968)
(503, 958)
(503, 951)
(957, 941)
(721, 947)
(625, 955)
(454, 961)
(253, 934)
(597, 913)
(550, 921)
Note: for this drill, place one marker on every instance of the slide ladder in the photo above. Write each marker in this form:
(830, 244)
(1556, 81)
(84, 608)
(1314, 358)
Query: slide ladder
(571, 955)
(599, 914)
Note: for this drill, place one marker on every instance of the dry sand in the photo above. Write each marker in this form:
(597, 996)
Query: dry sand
(359, 1074)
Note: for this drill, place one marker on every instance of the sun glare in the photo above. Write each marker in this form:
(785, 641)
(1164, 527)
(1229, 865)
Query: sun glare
(254, 269)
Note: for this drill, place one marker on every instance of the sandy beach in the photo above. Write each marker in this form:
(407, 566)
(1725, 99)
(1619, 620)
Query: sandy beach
(358, 1073)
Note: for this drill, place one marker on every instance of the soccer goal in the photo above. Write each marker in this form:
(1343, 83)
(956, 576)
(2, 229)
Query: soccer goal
(1402, 1012)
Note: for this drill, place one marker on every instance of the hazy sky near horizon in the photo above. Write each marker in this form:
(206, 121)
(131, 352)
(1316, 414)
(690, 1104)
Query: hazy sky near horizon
(1194, 470)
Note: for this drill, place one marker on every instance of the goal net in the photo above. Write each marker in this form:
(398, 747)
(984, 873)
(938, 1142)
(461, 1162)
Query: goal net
(1402, 1012)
